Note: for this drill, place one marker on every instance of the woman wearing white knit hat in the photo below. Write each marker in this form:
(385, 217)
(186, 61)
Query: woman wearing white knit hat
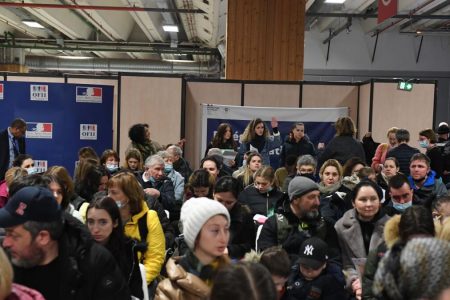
(206, 232)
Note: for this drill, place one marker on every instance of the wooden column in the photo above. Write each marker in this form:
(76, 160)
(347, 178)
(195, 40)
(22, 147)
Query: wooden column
(265, 39)
(13, 68)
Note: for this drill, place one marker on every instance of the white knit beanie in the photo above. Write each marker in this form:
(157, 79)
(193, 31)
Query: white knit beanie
(195, 213)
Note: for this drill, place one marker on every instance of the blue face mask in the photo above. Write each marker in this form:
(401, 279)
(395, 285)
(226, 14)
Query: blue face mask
(401, 207)
(168, 168)
(112, 167)
(424, 144)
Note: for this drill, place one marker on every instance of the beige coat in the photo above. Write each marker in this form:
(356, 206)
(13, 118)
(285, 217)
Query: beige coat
(181, 285)
(352, 243)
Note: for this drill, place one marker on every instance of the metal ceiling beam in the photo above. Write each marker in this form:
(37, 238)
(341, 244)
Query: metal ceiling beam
(101, 7)
(371, 16)
(433, 10)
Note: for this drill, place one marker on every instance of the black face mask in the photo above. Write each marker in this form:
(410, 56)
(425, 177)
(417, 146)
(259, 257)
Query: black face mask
(308, 175)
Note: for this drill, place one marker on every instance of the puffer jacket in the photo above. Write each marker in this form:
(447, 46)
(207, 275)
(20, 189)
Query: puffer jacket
(184, 282)
(291, 147)
(261, 203)
(153, 258)
(88, 270)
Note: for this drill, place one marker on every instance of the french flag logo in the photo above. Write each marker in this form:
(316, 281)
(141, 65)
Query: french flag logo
(89, 94)
(38, 130)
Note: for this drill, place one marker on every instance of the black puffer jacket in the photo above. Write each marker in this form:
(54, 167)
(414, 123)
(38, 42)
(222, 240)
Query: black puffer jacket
(291, 147)
(261, 203)
(87, 269)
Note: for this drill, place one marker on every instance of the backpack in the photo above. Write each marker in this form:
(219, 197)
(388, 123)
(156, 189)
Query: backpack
(141, 246)
(284, 228)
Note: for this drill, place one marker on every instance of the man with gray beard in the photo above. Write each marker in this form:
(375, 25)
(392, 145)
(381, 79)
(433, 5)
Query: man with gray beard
(53, 253)
(297, 219)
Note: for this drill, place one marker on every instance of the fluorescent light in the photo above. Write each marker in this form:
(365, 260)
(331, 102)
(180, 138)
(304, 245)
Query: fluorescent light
(33, 24)
(74, 57)
(179, 60)
(334, 1)
(170, 28)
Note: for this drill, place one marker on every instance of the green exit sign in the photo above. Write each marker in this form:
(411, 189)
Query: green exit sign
(405, 86)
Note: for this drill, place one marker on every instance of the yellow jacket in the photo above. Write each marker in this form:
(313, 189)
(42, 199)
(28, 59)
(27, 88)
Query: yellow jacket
(156, 242)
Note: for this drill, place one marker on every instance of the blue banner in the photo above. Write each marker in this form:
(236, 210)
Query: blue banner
(318, 122)
(61, 118)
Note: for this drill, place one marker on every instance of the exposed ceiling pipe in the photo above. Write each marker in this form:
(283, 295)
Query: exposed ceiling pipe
(119, 65)
(100, 7)
(374, 16)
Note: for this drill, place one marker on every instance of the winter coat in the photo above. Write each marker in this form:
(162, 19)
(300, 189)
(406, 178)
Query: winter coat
(272, 142)
(431, 190)
(167, 194)
(261, 203)
(4, 151)
(153, 258)
(182, 167)
(184, 282)
(380, 156)
(436, 161)
(291, 147)
(88, 270)
(242, 231)
(351, 240)
(342, 148)
(170, 232)
(178, 184)
(335, 205)
(403, 153)
(286, 229)
(329, 285)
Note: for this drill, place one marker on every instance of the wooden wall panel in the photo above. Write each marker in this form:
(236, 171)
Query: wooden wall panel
(196, 94)
(331, 96)
(265, 39)
(152, 100)
(410, 110)
(272, 95)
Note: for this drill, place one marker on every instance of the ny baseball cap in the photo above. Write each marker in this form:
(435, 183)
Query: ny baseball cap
(30, 204)
(313, 253)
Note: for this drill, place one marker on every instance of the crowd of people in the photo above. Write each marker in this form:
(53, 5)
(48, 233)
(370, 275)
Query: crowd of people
(347, 220)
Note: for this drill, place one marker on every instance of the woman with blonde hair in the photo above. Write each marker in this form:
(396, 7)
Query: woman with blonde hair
(382, 149)
(262, 197)
(253, 164)
(129, 196)
(256, 136)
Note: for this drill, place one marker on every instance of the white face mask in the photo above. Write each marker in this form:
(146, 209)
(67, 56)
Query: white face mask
(32, 170)
(112, 167)
(121, 204)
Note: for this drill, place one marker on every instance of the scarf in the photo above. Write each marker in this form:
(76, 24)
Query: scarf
(258, 142)
(327, 190)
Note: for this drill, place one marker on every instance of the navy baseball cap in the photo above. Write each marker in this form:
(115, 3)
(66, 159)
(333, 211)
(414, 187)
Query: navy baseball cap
(30, 204)
(313, 253)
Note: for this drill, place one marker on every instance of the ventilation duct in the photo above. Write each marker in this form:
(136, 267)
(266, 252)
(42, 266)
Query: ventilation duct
(120, 65)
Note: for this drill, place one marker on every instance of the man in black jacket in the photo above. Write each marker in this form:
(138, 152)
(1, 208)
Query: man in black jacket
(179, 163)
(299, 219)
(54, 253)
(156, 185)
(12, 143)
(403, 152)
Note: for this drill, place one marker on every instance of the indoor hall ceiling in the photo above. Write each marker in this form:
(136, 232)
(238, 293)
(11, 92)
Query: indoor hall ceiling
(112, 35)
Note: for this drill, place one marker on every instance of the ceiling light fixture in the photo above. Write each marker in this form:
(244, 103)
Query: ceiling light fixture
(32, 24)
(334, 1)
(170, 28)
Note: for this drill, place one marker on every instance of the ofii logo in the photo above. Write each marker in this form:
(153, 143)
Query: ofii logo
(37, 130)
(39, 92)
(88, 131)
